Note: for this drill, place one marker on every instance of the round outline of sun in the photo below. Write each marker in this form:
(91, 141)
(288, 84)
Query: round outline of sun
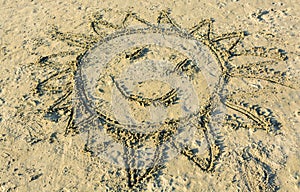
(203, 31)
(162, 135)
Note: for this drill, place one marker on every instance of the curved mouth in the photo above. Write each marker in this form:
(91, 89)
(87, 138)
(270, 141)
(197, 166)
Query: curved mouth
(146, 96)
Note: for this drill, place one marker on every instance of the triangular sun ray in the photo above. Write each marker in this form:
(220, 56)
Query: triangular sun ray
(165, 15)
(260, 70)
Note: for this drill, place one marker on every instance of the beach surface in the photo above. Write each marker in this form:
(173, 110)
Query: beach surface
(235, 110)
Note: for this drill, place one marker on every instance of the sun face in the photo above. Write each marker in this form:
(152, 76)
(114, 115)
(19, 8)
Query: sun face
(150, 91)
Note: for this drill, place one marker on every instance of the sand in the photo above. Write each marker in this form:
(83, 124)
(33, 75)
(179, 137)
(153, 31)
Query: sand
(149, 95)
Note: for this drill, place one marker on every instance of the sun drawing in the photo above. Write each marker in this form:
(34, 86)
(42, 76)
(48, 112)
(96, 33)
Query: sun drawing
(212, 81)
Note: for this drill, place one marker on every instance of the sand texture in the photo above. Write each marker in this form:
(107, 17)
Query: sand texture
(149, 95)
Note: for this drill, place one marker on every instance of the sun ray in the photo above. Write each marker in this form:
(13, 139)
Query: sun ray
(271, 53)
(255, 174)
(263, 120)
(78, 40)
(137, 177)
(141, 20)
(205, 23)
(164, 17)
(204, 162)
(261, 70)
(57, 74)
(234, 37)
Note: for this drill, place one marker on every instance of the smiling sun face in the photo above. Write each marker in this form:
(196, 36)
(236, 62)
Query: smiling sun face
(137, 86)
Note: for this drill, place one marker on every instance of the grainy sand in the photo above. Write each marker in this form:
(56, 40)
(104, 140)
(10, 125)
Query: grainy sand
(254, 147)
